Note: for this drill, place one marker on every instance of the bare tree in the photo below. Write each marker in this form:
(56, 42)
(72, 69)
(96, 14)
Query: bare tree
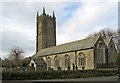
(7, 63)
(16, 55)
(0, 62)
(105, 33)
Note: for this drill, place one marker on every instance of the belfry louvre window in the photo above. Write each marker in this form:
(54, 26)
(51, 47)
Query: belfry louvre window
(67, 60)
(81, 59)
(57, 63)
(101, 53)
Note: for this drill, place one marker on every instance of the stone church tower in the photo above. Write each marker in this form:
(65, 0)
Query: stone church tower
(46, 31)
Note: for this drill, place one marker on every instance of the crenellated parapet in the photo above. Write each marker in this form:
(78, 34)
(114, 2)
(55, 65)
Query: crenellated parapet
(46, 15)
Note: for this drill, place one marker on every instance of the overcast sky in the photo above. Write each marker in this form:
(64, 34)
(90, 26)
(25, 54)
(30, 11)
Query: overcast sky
(75, 21)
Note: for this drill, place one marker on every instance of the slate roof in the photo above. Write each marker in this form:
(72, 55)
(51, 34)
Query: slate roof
(38, 60)
(71, 46)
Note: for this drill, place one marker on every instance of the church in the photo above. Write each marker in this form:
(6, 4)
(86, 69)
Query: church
(89, 53)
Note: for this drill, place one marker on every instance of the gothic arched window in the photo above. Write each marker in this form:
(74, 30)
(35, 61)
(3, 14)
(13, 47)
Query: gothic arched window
(81, 59)
(101, 53)
(67, 60)
(57, 63)
(49, 62)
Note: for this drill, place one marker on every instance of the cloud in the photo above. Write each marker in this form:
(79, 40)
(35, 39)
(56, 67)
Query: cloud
(88, 18)
(19, 24)
(59, 0)
(3, 54)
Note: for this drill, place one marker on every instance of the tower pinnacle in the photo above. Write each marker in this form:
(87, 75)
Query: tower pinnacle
(53, 14)
(37, 14)
(43, 11)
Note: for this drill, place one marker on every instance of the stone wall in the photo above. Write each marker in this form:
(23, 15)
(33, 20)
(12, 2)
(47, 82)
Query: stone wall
(73, 60)
(89, 59)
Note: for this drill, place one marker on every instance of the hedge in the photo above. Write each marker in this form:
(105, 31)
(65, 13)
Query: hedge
(32, 75)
